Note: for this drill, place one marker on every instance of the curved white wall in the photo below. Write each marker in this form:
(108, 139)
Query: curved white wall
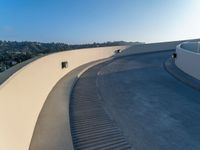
(24, 93)
(188, 60)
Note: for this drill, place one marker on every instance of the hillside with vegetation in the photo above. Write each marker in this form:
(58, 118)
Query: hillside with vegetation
(13, 52)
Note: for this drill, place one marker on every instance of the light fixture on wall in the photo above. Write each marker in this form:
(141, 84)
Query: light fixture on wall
(64, 64)
(117, 51)
(174, 55)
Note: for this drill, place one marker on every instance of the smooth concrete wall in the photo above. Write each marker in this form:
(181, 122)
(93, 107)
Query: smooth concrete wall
(188, 61)
(152, 47)
(9, 72)
(22, 95)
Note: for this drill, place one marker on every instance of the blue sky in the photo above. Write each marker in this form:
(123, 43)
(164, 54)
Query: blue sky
(86, 21)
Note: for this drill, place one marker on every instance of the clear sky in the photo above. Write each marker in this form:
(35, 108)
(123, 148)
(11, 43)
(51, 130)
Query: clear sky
(86, 21)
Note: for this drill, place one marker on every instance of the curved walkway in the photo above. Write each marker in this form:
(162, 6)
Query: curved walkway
(134, 103)
(91, 126)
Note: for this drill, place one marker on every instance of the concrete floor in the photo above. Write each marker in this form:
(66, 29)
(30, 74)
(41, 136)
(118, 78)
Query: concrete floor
(153, 109)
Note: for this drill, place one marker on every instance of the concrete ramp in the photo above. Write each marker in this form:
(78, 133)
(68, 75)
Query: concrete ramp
(91, 126)
(134, 103)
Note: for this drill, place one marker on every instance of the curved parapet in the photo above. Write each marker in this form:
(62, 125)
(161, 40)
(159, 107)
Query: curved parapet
(188, 58)
(8, 73)
(22, 95)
